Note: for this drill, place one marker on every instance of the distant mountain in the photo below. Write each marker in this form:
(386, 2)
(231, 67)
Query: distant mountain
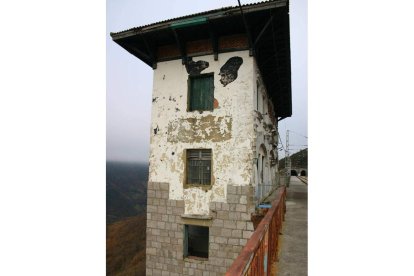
(126, 201)
(298, 160)
(126, 190)
(125, 247)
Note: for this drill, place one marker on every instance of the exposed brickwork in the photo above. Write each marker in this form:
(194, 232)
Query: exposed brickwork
(168, 51)
(198, 47)
(238, 41)
(230, 228)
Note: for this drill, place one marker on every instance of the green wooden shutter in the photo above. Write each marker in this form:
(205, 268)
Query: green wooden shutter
(185, 245)
(202, 93)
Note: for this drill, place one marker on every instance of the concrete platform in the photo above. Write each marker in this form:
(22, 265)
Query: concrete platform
(293, 250)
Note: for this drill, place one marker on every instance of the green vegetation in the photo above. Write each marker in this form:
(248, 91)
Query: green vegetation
(298, 160)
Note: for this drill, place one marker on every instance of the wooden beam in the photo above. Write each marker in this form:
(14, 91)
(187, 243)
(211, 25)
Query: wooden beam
(276, 56)
(249, 36)
(150, 52)
(181, 46)
(263, 30)
(137, 52)
(214, 41)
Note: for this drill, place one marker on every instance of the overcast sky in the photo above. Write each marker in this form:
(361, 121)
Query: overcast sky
(129, 80)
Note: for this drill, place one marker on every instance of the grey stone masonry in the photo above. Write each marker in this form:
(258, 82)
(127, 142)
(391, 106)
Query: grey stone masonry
(230, 227)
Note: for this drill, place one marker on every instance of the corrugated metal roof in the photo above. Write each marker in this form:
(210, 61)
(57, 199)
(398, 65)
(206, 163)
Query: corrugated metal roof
(192, 15)
(271, 46)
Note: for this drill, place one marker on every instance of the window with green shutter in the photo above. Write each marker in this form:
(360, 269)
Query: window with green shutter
(201, 92)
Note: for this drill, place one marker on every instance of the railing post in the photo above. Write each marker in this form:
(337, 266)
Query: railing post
(260, 251)
(266, 252)
(284, 201)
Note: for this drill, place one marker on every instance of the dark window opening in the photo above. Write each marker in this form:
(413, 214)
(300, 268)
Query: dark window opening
(303, 173)
(257, 95)
(201, 92)
(261, 171)
(199, 166)
(293, 173)
(196, 241)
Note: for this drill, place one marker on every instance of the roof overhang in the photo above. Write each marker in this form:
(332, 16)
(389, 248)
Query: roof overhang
(267, 36)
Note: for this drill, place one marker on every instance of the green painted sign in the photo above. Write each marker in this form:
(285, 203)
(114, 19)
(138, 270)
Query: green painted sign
(189, 22)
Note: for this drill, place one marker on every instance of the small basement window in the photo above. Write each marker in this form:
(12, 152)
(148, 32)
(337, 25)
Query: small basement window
(201, 92)
(199, 166)
(196, 241)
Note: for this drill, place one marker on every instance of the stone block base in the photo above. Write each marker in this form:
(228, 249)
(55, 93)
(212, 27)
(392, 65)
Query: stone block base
(230, 227)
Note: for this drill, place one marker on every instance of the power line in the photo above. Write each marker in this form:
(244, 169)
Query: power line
(283, 147)
(299, 145)
(298, 134)
(287, 155)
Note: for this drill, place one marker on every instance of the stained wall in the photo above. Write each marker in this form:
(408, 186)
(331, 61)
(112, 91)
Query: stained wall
(265, 130)
(228, 130)
(239, 130)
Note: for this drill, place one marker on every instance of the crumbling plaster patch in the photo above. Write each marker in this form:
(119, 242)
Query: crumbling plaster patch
(195, 130)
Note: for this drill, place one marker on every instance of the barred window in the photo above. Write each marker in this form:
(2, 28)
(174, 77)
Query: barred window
(199, 166)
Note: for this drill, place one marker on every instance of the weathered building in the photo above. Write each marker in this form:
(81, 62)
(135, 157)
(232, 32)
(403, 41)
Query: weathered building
(221, 84)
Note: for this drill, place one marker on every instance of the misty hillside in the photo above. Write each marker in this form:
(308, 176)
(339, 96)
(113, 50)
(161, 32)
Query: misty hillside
(298, 159)
(126, 199)
(126, 190)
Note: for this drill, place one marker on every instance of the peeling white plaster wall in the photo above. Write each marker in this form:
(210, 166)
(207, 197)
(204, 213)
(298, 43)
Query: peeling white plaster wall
(232, 159)
(264, 135)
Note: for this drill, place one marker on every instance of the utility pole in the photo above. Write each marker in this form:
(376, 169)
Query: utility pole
(287, 156)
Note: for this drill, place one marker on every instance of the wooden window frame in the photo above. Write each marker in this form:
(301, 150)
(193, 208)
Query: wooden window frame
(187, 158)
(189, 94)
(186, 253)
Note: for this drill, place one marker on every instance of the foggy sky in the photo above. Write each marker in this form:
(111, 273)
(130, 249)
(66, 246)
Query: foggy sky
(129, 80)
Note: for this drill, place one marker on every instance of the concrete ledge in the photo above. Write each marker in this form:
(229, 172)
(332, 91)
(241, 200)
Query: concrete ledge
(197, 220)
(196, 217)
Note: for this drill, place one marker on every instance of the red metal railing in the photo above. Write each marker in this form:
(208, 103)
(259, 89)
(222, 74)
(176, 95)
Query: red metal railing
(261, 249)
